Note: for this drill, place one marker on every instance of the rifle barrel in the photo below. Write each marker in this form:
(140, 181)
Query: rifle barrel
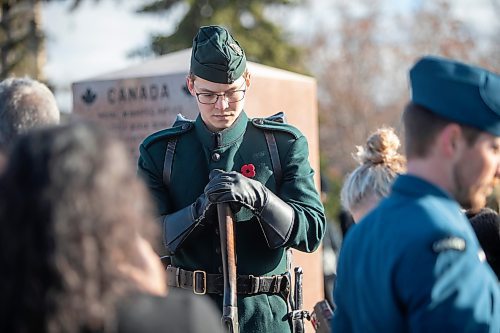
(228, 251)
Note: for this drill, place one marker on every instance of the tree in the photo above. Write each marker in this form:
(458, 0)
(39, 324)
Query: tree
(22, 38)
(361, 66)
(362, 70)
(21, 47)
(434, 30)
(263, 41)
(351, 78)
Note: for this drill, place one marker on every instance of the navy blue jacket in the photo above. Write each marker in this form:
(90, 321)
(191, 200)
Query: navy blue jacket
(414, 265)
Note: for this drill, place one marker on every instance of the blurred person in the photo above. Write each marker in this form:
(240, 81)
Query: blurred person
(379, 165)
(75, 232)
(493, 201)
(413, 263)
(486, 225)
(179, 312)
(345, 221)
(258, 166)
(332, 242)
(24, 104)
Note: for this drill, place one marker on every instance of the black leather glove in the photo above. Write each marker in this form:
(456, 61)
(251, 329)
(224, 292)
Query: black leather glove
(275, 216)
(177, 226)
(233, 187)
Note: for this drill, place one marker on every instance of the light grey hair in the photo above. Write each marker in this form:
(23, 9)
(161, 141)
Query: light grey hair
(379, 164)
(24, 104)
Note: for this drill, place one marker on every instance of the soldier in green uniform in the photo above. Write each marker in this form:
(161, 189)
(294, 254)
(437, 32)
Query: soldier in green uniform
(259, 166)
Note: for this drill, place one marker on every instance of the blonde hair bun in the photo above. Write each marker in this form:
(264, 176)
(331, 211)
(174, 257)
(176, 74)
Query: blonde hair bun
(381, 148)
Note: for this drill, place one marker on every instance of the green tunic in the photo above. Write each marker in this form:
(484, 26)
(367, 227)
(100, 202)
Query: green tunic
(197, 152)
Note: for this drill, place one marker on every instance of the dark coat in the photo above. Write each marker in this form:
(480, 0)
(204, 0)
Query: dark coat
(179, 312)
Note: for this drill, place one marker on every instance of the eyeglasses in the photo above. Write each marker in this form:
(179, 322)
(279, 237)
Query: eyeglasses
(232, 96)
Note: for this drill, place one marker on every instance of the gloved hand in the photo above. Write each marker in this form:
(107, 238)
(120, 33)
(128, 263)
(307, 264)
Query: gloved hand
(201, 207)
(275, 216)
(177, 226)
(232, 187)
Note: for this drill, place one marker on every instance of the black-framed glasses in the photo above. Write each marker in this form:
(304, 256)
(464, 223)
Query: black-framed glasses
(232, 96)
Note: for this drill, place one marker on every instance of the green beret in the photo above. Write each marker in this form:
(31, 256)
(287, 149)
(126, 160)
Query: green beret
(216, 56)
(459, 92)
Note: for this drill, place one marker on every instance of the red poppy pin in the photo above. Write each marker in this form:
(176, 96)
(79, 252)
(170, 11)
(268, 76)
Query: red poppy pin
(248, 170)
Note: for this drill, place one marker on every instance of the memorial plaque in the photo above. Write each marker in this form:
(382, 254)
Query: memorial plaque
(134, 108)
(143, 99)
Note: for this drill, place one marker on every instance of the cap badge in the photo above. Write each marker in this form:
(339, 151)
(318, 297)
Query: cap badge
(236, 48)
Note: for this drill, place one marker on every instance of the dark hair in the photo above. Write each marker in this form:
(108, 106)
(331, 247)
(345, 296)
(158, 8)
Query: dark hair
(486, 225)
(346, 221)
(422, 126)
(70, 207)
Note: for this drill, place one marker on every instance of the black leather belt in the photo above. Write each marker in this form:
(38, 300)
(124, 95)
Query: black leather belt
(200, 282)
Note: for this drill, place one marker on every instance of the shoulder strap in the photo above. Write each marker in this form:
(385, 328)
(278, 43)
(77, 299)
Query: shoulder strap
(271, 143)
(275, 157)
(169, 159)
(277, 117)
(184, 124)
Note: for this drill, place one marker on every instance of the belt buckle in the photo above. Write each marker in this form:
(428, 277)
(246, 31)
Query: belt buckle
(195, 285)
(276, 283)
(254, 284)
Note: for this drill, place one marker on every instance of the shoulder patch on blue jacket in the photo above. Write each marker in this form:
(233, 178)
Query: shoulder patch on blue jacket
(449, 243)
(272, 125)
(179, 128)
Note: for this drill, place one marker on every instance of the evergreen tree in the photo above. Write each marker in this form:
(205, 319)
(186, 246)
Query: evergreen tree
(22, 38)
(21, 48)
(264, 42)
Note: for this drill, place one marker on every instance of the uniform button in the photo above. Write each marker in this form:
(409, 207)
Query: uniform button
(185, 126)
(215, 157)
(217, 250)
(217, 231)
(220, 269)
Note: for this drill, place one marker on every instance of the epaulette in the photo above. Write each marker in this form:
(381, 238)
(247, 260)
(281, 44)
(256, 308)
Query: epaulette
(276, 122)
(181, 120)
(180, 126)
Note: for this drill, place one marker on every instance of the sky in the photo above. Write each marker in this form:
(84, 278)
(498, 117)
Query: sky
(97, 37)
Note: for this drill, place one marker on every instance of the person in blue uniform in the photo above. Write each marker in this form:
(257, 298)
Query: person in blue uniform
(259, 166)
(413, 264)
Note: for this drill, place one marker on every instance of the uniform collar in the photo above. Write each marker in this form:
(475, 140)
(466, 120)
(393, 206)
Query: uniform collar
(226, 137)
(415, 186)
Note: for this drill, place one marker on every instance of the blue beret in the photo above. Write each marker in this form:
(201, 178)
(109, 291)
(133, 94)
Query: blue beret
(461, 93)
(216, 56)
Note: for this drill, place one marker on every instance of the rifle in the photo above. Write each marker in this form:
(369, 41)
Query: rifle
(228, 250)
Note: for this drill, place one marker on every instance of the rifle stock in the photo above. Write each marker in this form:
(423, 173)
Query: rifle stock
(228, 251)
